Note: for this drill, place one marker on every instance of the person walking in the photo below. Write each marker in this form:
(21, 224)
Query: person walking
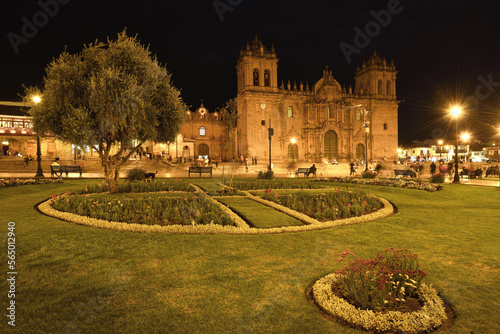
(433, 168)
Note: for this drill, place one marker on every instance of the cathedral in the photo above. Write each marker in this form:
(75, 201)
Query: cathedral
(287, 123)
(319, 123)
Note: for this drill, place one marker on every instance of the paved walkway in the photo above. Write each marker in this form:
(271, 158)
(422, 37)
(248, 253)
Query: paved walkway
(226, 169)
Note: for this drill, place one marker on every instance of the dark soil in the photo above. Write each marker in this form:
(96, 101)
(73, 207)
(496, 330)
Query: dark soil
(411, 305)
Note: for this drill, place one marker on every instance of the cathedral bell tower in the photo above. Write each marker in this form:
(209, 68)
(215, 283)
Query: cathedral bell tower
(258, 93)
(257, 68)
(376, 77)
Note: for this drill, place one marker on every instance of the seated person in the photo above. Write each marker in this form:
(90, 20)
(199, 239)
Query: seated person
(312, 170)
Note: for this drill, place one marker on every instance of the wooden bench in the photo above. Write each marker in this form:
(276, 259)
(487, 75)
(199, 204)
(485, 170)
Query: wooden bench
(305, 171)
(404, 172)
(58, 170)
(200, 170)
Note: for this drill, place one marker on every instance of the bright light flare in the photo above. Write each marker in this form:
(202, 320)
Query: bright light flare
(465, 136)
(36, 99)
(293, 140)
(456, 111)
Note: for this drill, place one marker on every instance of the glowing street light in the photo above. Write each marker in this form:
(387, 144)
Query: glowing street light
(455, 112)
(39, 172)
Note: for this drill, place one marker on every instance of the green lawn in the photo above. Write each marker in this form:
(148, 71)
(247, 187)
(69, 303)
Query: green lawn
(259, 215)
(77, 279)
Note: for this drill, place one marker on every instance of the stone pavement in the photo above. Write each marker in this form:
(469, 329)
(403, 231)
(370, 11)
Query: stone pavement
(282, 170)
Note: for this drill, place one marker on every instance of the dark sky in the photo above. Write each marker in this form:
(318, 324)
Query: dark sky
(445, 51)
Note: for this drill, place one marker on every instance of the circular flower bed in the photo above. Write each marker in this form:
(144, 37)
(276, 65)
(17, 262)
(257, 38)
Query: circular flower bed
(430, 316)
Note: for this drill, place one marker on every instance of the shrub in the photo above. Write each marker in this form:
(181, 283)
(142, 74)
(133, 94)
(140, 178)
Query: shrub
(268, 175)
(368, 174)
(382, 283)
(437, 178)
(136, 174)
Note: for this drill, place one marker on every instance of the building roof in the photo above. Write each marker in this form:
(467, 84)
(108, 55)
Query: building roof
(13, 110)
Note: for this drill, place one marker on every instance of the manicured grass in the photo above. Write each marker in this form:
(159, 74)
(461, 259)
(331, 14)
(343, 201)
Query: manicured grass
(259, 215)
(77, 279)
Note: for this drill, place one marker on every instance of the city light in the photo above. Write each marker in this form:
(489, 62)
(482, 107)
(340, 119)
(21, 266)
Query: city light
(36, 99)
(456, 111)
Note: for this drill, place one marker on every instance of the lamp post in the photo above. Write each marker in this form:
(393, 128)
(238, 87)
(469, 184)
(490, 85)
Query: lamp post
(455, 112)
(465, 137)
(271, 132)
(39, 171)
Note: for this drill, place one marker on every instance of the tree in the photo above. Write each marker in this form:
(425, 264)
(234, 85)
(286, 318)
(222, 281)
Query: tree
(111, 96)
(229, 113)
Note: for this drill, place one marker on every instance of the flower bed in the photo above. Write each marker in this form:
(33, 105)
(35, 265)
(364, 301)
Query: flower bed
(386, 182)
(257, 185)
(12, 182)
(137, 187)
(430, 316)
(370, 294)
(144, 209)
(332, 205)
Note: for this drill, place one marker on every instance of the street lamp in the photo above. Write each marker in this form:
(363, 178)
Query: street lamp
(39, 172)
(271, 133)
(465, 137)
(366, 125)
(455, 112)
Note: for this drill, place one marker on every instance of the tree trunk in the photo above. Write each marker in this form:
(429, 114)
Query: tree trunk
(112, 175)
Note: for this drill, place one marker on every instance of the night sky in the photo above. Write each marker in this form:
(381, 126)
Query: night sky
(445, 51)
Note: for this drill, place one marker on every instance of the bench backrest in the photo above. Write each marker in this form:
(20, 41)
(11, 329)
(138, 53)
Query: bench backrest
(302, 170)
(55, 168)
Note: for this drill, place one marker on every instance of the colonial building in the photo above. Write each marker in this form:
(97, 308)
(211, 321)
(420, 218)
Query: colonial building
(17, 135)
(322, 122)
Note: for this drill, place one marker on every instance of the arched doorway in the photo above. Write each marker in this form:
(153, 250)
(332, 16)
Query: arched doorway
(185, 152)
(360, 152)
(331, 145)
(203, 151)
(293, 152)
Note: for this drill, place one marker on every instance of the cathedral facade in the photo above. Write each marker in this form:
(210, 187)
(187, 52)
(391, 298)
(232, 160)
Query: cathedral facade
(319, 123)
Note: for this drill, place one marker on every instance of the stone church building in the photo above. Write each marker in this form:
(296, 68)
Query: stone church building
(313, 124)
(325, 121)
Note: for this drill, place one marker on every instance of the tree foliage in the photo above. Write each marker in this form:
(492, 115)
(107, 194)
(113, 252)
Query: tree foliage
(109, 96)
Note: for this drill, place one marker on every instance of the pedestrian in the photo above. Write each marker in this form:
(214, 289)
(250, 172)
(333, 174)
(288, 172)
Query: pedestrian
(353, 171)
(433, 168)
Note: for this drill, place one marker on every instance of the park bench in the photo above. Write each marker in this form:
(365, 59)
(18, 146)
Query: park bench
(305, 171)
(200, 170)
(59, 170)
(404, 172)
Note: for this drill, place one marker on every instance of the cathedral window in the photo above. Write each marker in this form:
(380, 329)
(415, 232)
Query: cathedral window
(385, 126)
(388, 89)
(328, 114)
(256, 77)
(202, 131)
(267, 78)
(290, 111)
(358, 115)
(380, 87)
